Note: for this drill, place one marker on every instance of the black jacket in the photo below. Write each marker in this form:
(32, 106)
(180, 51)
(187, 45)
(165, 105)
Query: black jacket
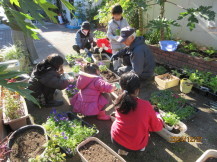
(140, 57)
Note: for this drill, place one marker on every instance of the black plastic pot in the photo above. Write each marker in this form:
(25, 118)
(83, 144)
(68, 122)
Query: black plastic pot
(72, 116)
(24, 129)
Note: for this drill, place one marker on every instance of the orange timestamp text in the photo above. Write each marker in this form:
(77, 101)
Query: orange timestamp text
(185, 139)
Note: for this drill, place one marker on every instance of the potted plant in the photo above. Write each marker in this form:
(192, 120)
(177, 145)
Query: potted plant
(170, 120)
(167, 80)
(108, 74)
(68, 131)
(27, 142)
(15, 110)
(72, 58)
(76, 69)
(93, 149)
(208, 156)
(71, 90)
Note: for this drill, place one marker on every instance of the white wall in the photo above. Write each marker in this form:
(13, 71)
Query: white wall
(202, 35)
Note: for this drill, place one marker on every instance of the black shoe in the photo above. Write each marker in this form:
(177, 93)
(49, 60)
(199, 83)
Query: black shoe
(54, 103)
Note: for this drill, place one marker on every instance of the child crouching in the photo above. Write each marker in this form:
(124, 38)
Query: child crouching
(92, 98)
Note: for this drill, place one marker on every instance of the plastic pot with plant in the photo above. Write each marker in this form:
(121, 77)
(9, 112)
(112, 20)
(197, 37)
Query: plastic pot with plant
(76, 69)
(71, 58)
(71, 90)
(170, 120)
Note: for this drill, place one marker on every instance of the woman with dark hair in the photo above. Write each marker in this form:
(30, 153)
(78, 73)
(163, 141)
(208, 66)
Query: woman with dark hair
(135, 117)
(46, 78)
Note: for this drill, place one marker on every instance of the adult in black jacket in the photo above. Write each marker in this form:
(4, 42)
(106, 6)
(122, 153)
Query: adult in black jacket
(46, 78)
(137, 57)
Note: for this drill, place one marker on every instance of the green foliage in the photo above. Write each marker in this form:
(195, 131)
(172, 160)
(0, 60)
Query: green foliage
(89, 59)
(13, 105)
(18, 11)
(213, 83)
(170, 102)
(185, 112)
(14, 86)
(210, 51)
(160, 70)
(52, 153)
(16, 52)
(170, 118)
(65, 132)
(76, 69)
(154, 29)
(99, 34)
(102, 68)
(203, 11)
(176, 73)
(191, 46)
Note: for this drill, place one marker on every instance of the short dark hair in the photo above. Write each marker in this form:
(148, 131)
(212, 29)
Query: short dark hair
(117, 9)
(91, 68)
(129, 82)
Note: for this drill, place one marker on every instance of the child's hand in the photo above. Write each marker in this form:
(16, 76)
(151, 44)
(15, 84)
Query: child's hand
(113, 87)
(71, 79)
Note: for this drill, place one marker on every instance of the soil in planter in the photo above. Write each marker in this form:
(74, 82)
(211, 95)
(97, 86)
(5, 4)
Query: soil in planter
(211, 160)
(167, 77)
(103, 58)
(109, 76)
(176, 130)
(27, 145)
(94, 152)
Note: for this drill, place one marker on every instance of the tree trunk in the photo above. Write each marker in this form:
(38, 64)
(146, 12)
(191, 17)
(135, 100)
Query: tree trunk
(141, 21)
(162, 11)
(27, 43)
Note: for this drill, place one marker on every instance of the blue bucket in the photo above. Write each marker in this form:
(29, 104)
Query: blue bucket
(168, 45)
(73, 27)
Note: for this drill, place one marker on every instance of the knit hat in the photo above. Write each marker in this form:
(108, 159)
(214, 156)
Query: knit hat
(85, 25)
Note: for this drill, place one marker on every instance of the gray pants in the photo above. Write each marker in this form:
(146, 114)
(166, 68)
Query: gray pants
(124, 69)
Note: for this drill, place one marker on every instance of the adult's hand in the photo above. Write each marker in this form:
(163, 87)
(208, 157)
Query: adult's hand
(60, 71)
(115, 56)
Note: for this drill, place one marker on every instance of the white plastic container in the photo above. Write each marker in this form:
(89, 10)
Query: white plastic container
(101, 143)
(13, 65)
(207, 154)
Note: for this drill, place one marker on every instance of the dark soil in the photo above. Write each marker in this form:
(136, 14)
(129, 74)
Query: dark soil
(211, 160)
(27, 145)
(175, 131)
(109, 76)
(103, 58)
(167, 77)
(94, 152)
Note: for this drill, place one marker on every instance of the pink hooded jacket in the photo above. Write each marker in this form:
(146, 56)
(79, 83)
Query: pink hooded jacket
(89, 100)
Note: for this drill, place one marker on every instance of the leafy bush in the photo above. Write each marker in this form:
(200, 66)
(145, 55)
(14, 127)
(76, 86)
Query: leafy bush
(160, 70)
(99, 34)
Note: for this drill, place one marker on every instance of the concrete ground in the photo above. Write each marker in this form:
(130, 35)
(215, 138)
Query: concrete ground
(58, 39)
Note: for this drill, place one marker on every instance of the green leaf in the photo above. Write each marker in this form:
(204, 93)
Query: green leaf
(16, 2)
(46, 6)
(68, 5)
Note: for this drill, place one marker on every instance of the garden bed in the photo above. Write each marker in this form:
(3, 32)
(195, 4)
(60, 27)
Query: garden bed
(110, 76)
(105, 59)
(73, 131)
(93, 150)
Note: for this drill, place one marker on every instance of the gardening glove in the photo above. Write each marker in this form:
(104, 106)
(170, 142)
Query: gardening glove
(115, 56)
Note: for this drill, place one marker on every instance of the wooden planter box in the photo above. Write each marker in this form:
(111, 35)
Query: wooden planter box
(102, 144)
(167, 83)
(117, 77)
(17, 123)
(169, 136)
(106, 62)
(208, 154)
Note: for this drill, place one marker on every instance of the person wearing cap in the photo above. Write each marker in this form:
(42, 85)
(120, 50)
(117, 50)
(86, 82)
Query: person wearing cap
(137, 56)
(84, 39)
(113, 33)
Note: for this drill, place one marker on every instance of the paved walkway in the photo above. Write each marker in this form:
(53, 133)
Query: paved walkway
(5, 36)
(54, 39)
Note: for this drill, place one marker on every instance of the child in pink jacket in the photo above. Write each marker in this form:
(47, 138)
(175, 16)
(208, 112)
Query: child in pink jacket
(90, 100)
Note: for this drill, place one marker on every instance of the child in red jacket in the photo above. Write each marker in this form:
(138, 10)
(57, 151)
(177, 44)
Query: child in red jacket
(92, 98)
(135, 117)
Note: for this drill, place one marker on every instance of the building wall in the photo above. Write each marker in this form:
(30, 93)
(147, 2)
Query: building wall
(203, 35)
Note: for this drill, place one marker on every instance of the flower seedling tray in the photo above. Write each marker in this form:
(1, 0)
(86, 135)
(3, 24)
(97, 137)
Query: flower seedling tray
(97, 141)
(207, 155)
(167, 83)
(105, 59)
(72, 116)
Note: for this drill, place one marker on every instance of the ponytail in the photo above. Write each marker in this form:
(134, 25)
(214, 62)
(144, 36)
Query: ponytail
(126, 102)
